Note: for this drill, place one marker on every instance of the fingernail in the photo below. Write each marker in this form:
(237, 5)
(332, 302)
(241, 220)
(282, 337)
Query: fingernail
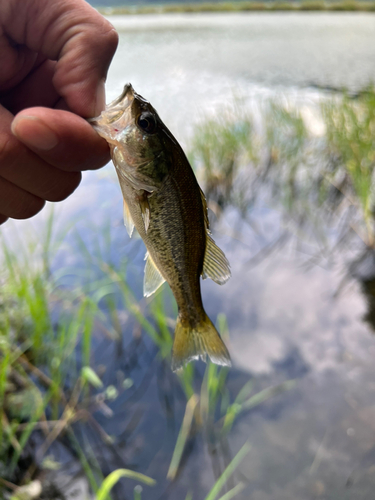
(32, 131)
(100, 98)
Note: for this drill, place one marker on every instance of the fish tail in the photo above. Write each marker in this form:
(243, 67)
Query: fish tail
(194, 342)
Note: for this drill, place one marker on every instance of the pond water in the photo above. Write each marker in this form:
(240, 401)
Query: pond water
(290, 316)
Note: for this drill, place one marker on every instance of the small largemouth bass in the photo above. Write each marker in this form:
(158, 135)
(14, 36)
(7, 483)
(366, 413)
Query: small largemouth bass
(163, 200)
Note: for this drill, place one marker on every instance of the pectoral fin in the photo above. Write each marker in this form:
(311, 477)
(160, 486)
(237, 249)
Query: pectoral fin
(128, 221)
(145, 210)
(215, 264)
(152, 279)
(131, 177)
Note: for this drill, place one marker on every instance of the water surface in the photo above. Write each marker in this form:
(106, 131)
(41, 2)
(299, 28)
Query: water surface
(290, 316)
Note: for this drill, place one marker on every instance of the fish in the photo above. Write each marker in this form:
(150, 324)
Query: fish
(163, 201)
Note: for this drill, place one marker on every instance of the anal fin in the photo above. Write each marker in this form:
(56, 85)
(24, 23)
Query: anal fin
(152, 278)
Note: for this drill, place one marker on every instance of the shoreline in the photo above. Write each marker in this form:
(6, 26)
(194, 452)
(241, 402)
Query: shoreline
(243, 6)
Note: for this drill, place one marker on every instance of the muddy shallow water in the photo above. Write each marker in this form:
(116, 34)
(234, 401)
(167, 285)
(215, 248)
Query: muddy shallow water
(293, 310)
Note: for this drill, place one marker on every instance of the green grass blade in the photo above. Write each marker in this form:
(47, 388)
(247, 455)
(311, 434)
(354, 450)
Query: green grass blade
(233, 492)
(267, 394)
(4, 367)
(83, 460)
(27, 432)
(182, 437)
(115, 476)
(186, 377)
(244, 392)
(46, 252)
(89, 375)
(228, 472)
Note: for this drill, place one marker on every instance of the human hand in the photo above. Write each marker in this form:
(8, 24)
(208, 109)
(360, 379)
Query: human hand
(54, 57)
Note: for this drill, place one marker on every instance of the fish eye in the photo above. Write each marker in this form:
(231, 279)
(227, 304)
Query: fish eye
(147, 122)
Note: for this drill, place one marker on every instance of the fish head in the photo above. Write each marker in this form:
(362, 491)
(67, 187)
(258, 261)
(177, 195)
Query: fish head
(133, 129)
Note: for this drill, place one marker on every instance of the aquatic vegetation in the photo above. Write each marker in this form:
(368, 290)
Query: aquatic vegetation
(44, 385)
(219, 149)
(55, 319)
(318, 180)
(213, 414)
(115, 476)
(51, 387)
(331, 177)
(351, 148)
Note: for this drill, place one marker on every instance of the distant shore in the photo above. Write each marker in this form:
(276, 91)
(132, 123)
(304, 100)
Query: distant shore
(244, 6)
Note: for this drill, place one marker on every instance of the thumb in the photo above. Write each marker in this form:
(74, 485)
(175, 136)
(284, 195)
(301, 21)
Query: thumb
(72, 33)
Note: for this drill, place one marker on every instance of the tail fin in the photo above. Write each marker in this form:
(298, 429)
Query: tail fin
(192, 343)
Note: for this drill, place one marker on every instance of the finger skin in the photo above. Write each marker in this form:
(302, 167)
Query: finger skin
(15, 61)
(17, 203)
(25, 169)
(36, 89)
(75, 35)
(78, 146)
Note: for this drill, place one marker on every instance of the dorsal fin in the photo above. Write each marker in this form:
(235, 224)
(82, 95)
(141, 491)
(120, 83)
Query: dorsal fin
(215, 264)
(152, 278)
(128, 221)
(205, 210)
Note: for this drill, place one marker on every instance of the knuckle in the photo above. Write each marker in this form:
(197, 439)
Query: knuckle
(105, 41)
(7, 149)
(112, 38)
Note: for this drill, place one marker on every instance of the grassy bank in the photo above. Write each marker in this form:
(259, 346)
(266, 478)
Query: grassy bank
(247, 6)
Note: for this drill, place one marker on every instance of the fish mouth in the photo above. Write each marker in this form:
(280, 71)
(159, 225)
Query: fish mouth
(125, 99)
(115, 109)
